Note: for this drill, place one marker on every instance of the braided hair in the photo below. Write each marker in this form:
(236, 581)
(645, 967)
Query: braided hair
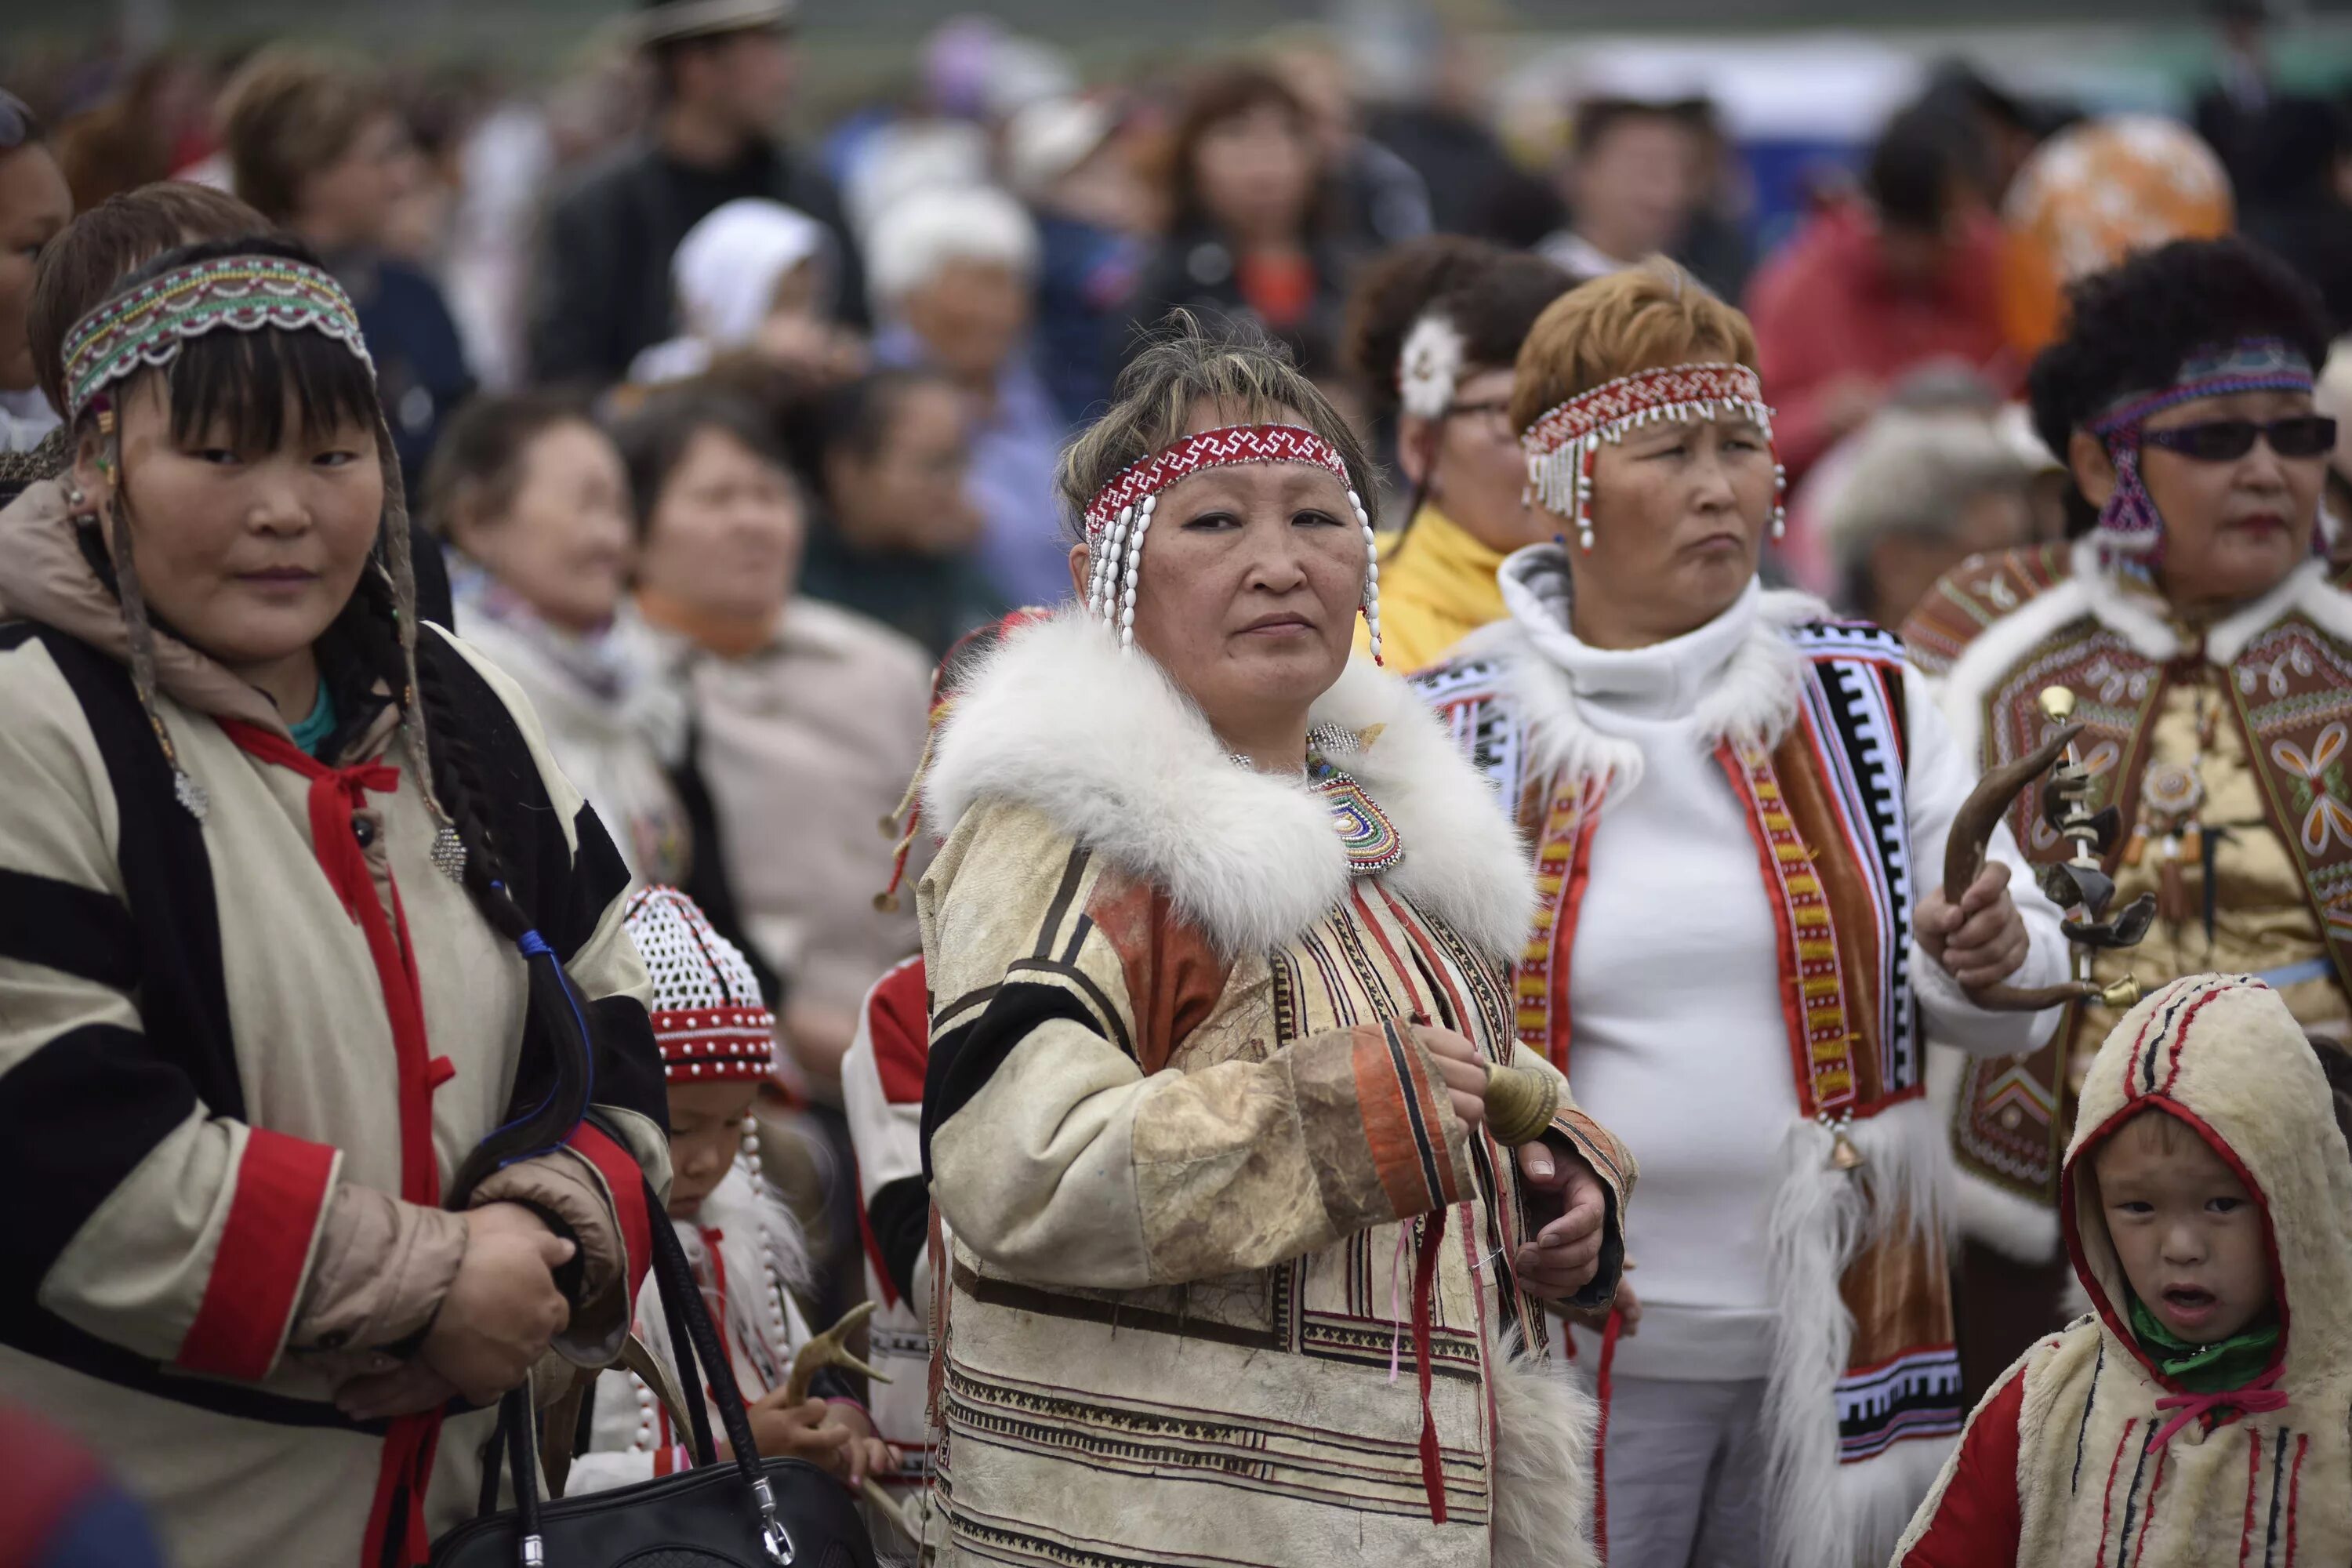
(248, 381)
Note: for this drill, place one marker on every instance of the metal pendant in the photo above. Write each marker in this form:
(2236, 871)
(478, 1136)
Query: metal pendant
(449, 854)
(1844, 1155)
(191, 795)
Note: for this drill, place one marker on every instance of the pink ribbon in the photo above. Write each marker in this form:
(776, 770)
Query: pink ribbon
(2256, 1396)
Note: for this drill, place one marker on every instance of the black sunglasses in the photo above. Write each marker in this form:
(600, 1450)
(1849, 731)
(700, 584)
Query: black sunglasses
(2227, 440)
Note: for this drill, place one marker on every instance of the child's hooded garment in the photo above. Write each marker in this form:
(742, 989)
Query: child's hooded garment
(2086, 1454)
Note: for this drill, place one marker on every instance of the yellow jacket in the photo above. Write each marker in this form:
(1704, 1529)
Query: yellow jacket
(1439, 590)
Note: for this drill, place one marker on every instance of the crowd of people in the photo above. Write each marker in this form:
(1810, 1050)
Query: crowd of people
(577, 671)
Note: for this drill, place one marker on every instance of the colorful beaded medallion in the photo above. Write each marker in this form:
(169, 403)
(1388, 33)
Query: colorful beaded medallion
(1365, 831)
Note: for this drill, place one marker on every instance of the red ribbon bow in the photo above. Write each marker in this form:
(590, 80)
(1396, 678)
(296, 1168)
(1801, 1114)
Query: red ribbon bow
(2256, 1396)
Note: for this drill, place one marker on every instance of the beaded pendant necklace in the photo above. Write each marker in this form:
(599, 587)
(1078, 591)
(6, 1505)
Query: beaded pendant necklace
(1365, 832)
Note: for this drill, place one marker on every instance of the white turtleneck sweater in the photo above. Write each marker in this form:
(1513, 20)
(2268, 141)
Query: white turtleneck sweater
(1680, 1044)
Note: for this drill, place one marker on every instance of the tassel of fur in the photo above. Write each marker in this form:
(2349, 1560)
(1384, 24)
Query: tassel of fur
(1824, 1514)
(1544, 1428)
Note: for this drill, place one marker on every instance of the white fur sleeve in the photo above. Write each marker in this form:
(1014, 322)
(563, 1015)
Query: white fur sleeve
(1940, 780)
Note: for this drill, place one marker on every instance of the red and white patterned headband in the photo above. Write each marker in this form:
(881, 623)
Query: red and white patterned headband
(1561, 444)
(1121, 513)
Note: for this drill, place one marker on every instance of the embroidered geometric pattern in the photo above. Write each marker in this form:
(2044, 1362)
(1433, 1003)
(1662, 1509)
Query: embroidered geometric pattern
(2293, 694)
(1916, 1394)
(1853, 698)
(1824, 1018)
(1468, 697)
(1559, 863)
(242, 293)
(1973, 595)
(708, 1017)
(1211, 448)
(1561, 446)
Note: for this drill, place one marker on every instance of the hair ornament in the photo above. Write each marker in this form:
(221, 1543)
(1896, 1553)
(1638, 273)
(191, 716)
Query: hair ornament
(1562, 444)
(2129, 525)
(1120, 514)
(1429, 369)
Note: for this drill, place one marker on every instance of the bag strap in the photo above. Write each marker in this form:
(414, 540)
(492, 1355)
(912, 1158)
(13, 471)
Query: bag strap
(702, 1357)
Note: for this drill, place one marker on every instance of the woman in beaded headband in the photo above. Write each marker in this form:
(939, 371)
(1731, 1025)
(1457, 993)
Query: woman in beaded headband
(1265, 553)
(215, 702)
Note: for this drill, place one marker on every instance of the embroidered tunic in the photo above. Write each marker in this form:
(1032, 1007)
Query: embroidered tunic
(1203, 1192)
(213, 1095)
(2271, 690)
(1824, 749)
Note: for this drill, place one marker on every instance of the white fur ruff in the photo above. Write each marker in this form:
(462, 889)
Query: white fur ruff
(1103, 743)
(1825, 1514)
(1545, 1425)
(1756, 701)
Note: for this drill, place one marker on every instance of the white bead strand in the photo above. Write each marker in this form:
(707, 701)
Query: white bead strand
(1371, 599)
(1134, 566)
(779, 1336)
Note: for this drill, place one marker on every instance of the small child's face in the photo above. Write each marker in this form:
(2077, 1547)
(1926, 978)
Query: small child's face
(2189, 1236)
(706, 1132)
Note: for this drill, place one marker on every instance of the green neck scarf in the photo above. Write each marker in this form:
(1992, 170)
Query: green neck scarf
(2226, 1363)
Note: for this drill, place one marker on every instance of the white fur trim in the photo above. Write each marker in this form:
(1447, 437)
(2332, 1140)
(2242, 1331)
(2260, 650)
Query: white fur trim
(1824, 1512)
(1756, 701)
(1545, 1424)
(1104, 744)
(1879, 1497)
(2307, 589)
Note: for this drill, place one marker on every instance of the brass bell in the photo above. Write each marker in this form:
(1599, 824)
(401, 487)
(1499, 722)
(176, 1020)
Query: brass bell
(1520, 1104)
(2057, 703)
(2120, 994)
(1844, 1155)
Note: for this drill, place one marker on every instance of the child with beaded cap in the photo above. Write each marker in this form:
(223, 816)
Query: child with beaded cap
(2199, 1415)
(717, 1044)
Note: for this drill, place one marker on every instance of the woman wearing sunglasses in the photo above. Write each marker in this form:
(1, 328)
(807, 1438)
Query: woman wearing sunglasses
(2193, 617)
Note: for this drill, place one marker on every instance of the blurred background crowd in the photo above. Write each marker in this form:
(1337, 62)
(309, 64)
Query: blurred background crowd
(731, 344)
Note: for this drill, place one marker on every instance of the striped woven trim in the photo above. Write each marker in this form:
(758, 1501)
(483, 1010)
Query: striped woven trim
(148, 325)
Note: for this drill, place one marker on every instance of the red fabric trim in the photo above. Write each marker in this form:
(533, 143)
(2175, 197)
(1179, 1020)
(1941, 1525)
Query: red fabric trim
(2295, 1491)
(2147, 1509)
(1604, 1389)
(2253, 1480)
(626, 1179)
(1792, 1001)
(1977, 1518)
(2107, 1497)
(2071, 1231)
(256, 1272)
(1424, 1283)
(899, 1023)
(1417, 1007)
(396, 1518)
(438, 1071)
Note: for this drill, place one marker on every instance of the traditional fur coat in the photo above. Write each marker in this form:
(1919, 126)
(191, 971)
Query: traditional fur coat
(2060, 1467)
(1230, 1281)
(1803, 759)
(2252, 719)
(240, 1058)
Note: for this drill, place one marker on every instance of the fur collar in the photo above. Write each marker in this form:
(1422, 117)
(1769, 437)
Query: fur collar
(2091, 590)
(1753, 700)
(1104, 746)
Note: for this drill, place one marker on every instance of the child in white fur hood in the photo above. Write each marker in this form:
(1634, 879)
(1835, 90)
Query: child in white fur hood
(717, 1043)
(2199, 1415)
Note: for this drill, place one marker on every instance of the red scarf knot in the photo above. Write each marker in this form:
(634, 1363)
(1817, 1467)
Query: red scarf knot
(336, 793)
(2254, 1398)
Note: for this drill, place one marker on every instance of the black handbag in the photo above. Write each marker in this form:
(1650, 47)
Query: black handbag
(747, 1514)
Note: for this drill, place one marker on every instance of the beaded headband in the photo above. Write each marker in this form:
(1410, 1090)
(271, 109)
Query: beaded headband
(2129, 524)
(706, 1013)
(148, 325)
(1121, 513)
(1561, 444)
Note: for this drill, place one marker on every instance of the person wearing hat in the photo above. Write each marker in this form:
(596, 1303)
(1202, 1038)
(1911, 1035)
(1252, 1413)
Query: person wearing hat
(725, 72)
(718, 1045)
